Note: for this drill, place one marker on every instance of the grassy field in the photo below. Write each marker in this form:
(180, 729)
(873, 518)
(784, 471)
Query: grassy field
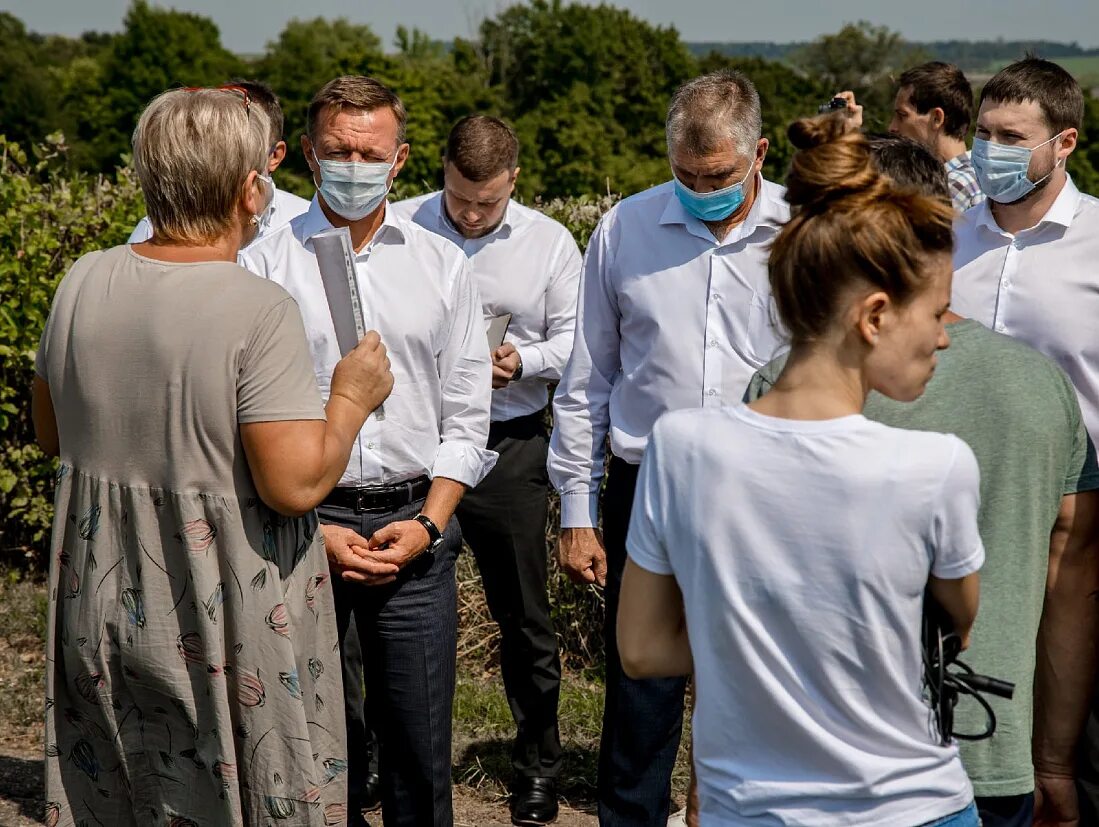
(1084, 69)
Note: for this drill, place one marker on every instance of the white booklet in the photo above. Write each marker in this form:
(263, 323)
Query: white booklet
(336, 261)
(497, 329)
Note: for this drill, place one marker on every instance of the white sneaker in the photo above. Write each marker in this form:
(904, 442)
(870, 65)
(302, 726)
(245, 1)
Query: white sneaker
(678, 819)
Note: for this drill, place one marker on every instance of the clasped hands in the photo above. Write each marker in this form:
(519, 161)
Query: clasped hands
(377, 560)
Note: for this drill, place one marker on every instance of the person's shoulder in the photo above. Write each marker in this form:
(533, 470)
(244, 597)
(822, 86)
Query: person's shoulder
(645, 206)
(277, 240)
(687, 426)
(424, 243)
(1006, 353)
(776, 196)
(540, 222)
(290, 203)
(927, 454)
(410, 207)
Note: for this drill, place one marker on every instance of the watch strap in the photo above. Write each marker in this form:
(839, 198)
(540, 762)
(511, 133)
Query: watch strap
(434, 535)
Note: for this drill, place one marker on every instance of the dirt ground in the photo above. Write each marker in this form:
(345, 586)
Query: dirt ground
(21, 793)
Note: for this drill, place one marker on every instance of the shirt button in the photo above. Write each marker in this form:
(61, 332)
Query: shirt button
(712, 392)
(1000, 327)
(715, 297)
(713, 342)
(370, 446)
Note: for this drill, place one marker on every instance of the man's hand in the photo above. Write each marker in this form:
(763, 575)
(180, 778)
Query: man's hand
(399, 543)
(1055, 803)
(351, 559)
(505, 361)
(581, 555)
(854, 110)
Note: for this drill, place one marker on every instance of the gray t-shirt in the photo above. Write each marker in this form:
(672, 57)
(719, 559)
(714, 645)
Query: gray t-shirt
(1019, 413)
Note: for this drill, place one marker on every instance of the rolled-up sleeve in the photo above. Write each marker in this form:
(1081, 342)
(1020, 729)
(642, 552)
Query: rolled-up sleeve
(581, 406)
(546, 360)
(465, 371)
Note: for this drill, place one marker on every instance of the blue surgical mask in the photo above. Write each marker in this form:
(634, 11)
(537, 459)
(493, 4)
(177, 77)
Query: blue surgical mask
(354, 189)
(1002, 170)
(712, 206)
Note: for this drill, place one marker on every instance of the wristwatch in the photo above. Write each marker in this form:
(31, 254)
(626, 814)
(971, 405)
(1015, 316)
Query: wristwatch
(515, 377)
(435, 536)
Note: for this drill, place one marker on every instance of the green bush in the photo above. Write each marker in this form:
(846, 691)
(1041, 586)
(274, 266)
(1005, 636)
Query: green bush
(48, 218)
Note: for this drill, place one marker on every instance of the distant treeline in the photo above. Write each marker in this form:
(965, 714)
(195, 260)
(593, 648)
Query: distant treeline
(969, 55)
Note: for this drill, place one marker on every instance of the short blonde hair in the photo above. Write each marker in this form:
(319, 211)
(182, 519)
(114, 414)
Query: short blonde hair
(193, 149)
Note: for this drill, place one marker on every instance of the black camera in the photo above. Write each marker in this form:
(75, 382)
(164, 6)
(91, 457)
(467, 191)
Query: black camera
(834, 105)
(946, 678)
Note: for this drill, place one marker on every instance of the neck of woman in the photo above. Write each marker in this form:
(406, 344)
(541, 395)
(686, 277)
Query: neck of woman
(820, 381)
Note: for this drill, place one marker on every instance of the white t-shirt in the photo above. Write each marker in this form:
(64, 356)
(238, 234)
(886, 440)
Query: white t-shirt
(802, 549)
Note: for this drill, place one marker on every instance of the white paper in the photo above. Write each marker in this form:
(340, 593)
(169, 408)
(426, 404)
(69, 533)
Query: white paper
(336, 261)
(496, 329)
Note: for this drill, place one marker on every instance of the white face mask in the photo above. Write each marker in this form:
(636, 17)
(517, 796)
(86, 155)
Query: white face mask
(354, 189)
(1003, 171)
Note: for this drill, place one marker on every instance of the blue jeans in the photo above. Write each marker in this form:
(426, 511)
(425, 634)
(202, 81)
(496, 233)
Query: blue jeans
(963, 818)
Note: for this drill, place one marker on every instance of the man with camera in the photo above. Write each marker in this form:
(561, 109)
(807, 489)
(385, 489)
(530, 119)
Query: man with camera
(934, 107)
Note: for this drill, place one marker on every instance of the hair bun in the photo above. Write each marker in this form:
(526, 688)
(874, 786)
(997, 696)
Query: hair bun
(833, 164)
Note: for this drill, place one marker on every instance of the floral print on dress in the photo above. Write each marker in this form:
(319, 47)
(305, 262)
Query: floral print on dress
(155, 646)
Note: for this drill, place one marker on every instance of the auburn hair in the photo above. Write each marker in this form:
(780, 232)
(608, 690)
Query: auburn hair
(852, 226)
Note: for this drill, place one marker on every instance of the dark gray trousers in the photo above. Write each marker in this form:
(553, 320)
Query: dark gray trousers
(407, 632)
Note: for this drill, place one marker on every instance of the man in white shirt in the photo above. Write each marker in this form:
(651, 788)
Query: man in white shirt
(527, 267)
(1025, 263)
(284, 205)
(394, 505)
(675, 312)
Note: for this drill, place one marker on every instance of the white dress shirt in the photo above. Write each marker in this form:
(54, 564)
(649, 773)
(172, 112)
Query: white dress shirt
(529, 266)
(285, 206)
(1040, 286)
(418, 293)
(669, 318)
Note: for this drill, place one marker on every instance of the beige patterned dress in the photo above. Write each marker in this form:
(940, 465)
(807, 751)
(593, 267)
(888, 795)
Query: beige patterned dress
(193, 670)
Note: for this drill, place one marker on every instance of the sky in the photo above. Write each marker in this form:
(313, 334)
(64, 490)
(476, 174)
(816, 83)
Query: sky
(247, 25)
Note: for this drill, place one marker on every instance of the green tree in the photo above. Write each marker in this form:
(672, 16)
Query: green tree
(157, 50)
(28, 95)
(863, 58)
(589, 83)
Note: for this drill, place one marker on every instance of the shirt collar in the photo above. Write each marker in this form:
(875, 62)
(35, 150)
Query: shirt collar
(958, 161)
(1061, 211)
(504, 228)
(392, 229)
(765, 212)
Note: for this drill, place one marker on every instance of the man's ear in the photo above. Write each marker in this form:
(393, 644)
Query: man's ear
(514, 178)
(276, 157)
(307, 151)
(937, 117)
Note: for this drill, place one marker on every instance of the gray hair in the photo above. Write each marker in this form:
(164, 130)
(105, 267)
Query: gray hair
(193, 150)
(714, 108)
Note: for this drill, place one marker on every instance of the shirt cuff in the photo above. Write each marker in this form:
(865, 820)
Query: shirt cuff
(533, 360)
(463, 462)
(580, 509)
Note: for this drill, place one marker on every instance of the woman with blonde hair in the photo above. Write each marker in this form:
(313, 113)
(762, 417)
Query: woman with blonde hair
(781, 550)
(191, 667)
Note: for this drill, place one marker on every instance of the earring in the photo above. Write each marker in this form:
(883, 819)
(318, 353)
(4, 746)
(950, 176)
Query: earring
(254, 220)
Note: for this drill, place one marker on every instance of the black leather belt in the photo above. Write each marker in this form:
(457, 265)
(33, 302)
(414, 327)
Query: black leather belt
(380, 497)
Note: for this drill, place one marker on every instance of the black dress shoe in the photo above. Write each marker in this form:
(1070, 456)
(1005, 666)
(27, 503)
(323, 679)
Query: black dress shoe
(535, 802)
(371, 792)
